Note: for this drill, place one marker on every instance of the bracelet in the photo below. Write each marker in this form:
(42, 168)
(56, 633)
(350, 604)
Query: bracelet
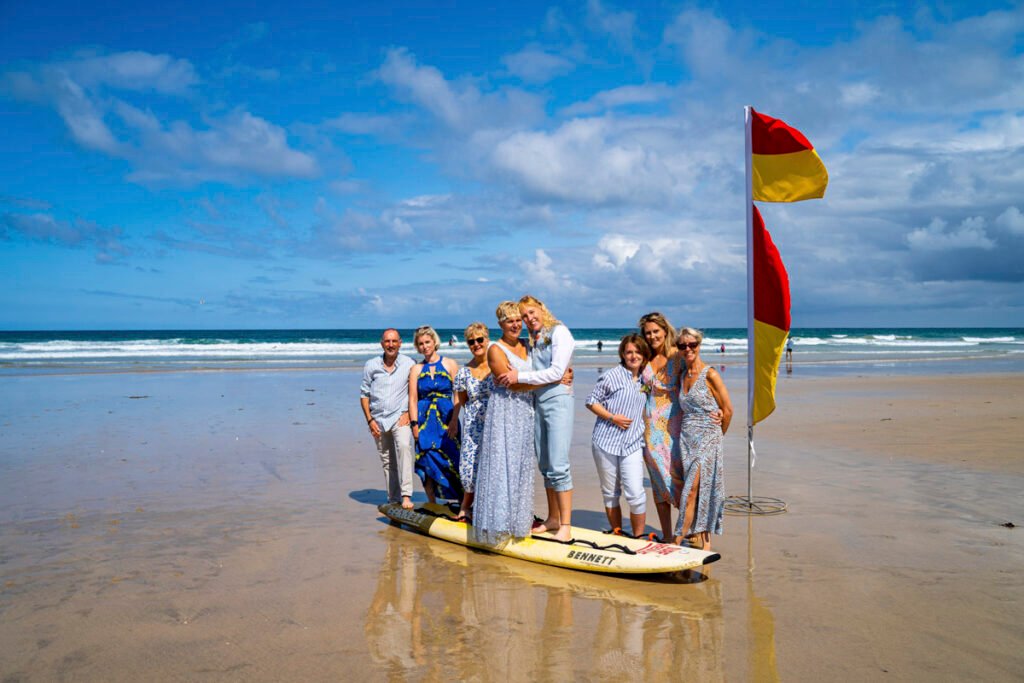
(372, 419)
(414, 422)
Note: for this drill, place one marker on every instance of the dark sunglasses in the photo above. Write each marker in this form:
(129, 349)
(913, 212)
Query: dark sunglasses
(477, 340)
(687, 345)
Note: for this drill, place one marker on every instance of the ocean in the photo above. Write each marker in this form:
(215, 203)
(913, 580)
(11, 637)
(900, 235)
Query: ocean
(137, 350)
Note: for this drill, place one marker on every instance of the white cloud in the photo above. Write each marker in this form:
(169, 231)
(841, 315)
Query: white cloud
(536, 65)
(858, 94)
(708, 45)
(620, 26)
(1012, 220)
(132, 71)
(107, 243)
(230, 148)
(542, 275)
(621, 97)
(426, 86)
(969, 235)
(585, 160)
(82, 117)
(460, 106)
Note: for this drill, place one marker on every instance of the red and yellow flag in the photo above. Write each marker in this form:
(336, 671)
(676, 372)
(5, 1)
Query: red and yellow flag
(786, 167)
(771, 318)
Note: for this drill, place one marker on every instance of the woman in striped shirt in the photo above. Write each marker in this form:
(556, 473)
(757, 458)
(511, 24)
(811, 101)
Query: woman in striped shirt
(618, 400)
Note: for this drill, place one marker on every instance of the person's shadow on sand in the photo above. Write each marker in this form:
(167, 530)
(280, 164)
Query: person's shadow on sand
(377, 497)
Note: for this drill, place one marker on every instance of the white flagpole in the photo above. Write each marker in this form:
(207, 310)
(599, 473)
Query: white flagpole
(749, 199)
(739, 504)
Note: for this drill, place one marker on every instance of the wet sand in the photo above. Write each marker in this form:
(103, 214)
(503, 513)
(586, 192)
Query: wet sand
(222, 526)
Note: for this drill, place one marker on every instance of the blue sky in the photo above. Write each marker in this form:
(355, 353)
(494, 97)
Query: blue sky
(232, 165)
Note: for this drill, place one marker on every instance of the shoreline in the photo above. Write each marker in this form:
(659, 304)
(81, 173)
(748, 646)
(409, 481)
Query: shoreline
(829, 366)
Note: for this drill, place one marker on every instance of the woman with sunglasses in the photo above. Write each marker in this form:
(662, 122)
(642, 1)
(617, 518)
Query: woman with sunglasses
(473, 386)
(663, 414)
(702, 392)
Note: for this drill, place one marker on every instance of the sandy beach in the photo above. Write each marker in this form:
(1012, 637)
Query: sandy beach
(187, 526)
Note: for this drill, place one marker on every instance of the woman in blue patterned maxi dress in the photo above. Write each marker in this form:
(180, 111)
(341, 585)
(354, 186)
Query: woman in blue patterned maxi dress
(430, 409)
(702, 498)
(506, 459)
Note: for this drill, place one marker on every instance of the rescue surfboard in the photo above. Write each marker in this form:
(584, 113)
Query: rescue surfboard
(589, 550)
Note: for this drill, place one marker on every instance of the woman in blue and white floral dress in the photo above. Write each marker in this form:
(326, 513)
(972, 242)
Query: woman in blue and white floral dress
(701, 394)
(473, 385)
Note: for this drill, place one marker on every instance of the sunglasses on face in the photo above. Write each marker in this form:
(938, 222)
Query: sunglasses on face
(687, 345)
(476, 340)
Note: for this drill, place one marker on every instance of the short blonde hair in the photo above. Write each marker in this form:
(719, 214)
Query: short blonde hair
(670, 332)
(547, 318)
(506, 310)
(476, 327)
(426, 331)
(691, 332)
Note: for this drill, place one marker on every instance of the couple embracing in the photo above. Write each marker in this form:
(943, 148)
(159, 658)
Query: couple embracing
(529, 415)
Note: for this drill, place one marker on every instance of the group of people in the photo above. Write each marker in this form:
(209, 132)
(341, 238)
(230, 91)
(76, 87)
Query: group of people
(476, 433)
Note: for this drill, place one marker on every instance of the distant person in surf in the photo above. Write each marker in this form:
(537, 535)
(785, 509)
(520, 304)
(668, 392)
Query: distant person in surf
(551, 347)
(384, 398)
(431, 402)
(789, 349)
(618, 399)
(702, 393)
(473, 385)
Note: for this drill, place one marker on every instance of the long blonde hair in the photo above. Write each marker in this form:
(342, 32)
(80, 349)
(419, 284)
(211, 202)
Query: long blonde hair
(546, 316)
(668, 347)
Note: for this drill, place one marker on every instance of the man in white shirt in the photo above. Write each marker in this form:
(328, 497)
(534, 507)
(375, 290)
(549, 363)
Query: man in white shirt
(384, 397)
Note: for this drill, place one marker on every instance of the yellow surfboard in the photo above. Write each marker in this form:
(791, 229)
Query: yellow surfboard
(589, 550)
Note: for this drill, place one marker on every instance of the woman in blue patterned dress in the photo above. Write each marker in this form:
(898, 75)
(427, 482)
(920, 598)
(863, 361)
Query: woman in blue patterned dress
(506, 459)
(701, 393)
(473, 385)
(430, 409)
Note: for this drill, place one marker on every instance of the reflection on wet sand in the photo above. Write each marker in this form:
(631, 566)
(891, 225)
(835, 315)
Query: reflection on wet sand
(761, 622)
(442, 610)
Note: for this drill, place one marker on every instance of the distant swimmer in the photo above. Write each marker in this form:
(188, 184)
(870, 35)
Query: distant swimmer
(721, 349)
(600, 344)
(789, 349)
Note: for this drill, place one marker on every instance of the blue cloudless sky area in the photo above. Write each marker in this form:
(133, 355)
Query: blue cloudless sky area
(240, 165)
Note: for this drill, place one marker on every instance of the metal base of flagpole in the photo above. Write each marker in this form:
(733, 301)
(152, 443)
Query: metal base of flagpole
(754, 505)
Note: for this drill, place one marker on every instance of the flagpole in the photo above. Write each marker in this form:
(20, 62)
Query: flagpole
(738, 504)
(749, 200)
